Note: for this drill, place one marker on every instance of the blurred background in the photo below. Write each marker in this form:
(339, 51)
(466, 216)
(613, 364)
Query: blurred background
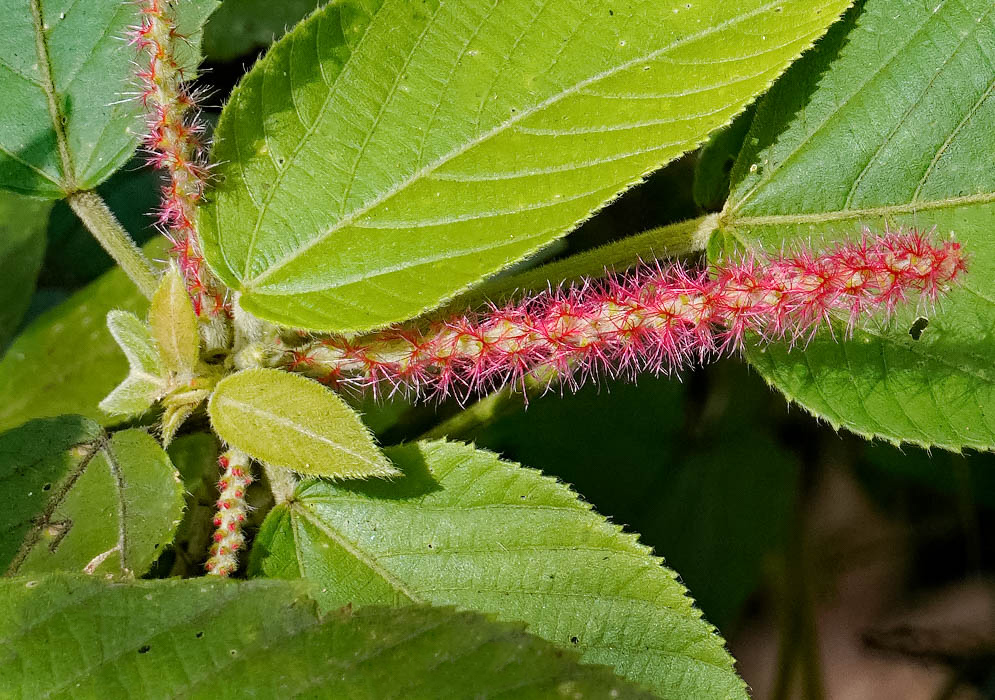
(835, 568)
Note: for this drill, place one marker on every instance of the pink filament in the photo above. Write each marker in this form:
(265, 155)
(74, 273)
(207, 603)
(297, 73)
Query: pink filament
(656, 318)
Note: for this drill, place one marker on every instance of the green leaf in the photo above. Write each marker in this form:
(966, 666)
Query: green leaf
(66, 361)
(63, 71)
(22, 247)
(144, 384)
(716, 160)
(464, 528)
(78, 637)
(240, 27)
(173, 324)
(385, 155)
(286, 420)
(77, 499)
(885, 134)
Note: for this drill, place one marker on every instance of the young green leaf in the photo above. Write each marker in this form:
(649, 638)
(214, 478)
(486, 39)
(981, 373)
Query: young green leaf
(82, 637)
(865, 132)
(22, 247)
(66, 361)
(77, 499)
(173, 323)
(64, 71)
(145, 382)
(385, 155)
(286, 420)
(464, 528)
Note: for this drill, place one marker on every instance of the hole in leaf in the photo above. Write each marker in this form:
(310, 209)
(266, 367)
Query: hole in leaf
(574, 640)
(918, 327)
(199, 635)
(144, 649)
(46, 487)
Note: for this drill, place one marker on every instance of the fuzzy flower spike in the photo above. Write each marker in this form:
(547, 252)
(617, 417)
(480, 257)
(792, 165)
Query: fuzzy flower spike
(173, 141)
(656, 318)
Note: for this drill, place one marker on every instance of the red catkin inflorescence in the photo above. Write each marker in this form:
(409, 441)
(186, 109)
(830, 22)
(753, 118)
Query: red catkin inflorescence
(228, 539)
(656, 318)
(173, 140)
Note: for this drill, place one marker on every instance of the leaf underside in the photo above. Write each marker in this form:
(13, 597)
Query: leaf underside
(463, 528)
(886, 134)
(80, 637)
(387, 154)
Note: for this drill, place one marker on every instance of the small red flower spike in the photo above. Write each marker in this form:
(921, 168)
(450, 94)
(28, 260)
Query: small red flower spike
(173, 143)
(232, 508)
(656, 318)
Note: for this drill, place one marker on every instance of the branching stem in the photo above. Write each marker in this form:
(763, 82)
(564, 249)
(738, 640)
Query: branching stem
(101, 222)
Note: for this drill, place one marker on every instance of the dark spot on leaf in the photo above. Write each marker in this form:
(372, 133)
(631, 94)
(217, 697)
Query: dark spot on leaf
(199, 635)
(611, 13)
(574, 640)
(144, 649)
(46, 487)
(430, 546)
(918, 327)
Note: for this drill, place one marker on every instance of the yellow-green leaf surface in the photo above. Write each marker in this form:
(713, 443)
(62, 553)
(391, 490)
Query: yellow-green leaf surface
(66, 361)
(463, 528)
(77, 499)
(76, 637)
(173, 324)
(386, 154)
(65, 75)
(286, 420)
(888, 123)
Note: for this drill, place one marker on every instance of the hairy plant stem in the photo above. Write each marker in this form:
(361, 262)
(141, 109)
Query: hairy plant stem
(282, 482)
(99, 219)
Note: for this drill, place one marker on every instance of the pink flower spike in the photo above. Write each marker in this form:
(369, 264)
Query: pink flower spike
(659, 318)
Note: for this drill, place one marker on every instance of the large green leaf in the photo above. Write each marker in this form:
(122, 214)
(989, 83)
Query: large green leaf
(285, 420)
(884, 134)
(22, 247)
(386, 154)
(83, 638)
(464, 528)
(66, 361)
(76, 499)
(64, 70)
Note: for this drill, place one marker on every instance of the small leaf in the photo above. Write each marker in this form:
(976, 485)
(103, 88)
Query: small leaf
(145, 383)
(80, 637)
(22, 247)
(173, 323)
(80, 500)
(885, 134)
(385, 154)
(464, 528)
(133, 337)
(63, 71)
(285, 420)
(66, 361)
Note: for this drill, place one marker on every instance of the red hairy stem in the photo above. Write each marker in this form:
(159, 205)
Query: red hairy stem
(232, 510)
(657, 318)
(173, 140)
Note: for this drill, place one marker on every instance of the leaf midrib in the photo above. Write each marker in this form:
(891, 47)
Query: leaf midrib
(51, 97)
(296, 427)
(472, 143)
